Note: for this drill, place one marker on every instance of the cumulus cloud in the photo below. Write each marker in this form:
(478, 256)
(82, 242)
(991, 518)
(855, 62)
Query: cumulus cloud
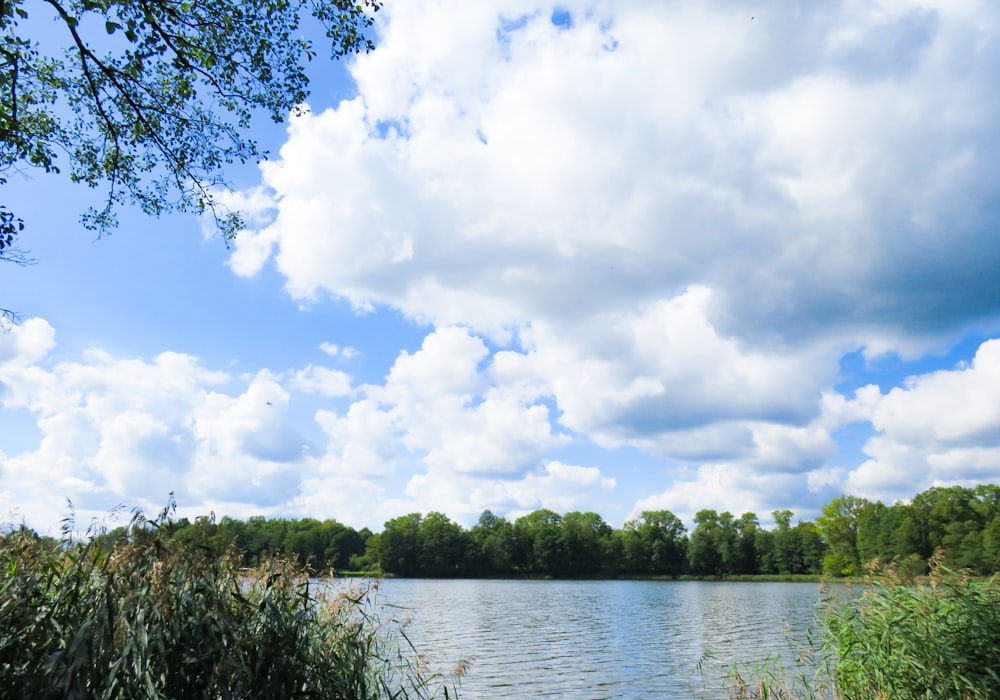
(728, 487)
(681, 216)
(130, 430)
(939, 428)
(440, 405)
(817, 170)
(323, 381)
(457, 428)
(778, 467)
(641, 376)
(637, 226)
(27, 343)
(554, 485)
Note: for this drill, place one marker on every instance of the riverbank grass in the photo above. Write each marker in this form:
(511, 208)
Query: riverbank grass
(938, 637)
(140, 617)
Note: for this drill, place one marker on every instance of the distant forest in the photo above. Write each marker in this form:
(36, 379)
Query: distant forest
(963, 524)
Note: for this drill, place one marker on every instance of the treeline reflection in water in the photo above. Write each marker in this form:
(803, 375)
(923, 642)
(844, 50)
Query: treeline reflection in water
(599, 639)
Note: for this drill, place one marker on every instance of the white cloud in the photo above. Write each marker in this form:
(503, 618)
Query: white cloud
(25, 344)
(939, 428)
(800, 165)
(728, 487)
(658, 228)
(323, 381)
(777, 467)
(138, 453)
(131, 431)
(334, 350)
(458, 429)
(949, 406)
(674, 218)
(555, 485)
(363, 442)
(439, 405)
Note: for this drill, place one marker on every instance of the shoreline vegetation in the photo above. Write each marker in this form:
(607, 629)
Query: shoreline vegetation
(938, 637)
(143, 616)
(170, 608)
(963, 522)
(138, 612)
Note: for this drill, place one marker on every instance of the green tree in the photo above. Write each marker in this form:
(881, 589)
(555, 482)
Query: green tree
(764, 551)
(952, 519)
(664, 537)
(398, 546)
(812, 549)
(787, 557)
(204, 533)
(655, 543)
(541, 543)
(634, 557)
(369, 561)
(304, 540)
(585, 538)
(268, 536)
(705, 546)
(150, 99)
(991, 545)
(879, 528)
(839, 525)
(745, 554)
(341, 543)
(442, 546)
(492, 545)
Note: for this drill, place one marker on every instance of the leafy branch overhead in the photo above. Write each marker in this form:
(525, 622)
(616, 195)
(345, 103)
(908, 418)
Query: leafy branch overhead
(150, 99)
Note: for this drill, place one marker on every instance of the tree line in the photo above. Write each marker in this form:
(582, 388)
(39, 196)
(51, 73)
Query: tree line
(962, 523)
(577, 544)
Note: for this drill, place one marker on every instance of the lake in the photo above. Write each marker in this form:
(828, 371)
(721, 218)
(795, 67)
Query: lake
(599, 639)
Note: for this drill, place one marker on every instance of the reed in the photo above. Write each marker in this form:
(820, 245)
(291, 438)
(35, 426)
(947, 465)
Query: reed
(935, 638)
(139, 617)
(899, 639)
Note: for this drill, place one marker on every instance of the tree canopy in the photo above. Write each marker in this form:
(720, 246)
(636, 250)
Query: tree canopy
(149, 99)
(959, 527)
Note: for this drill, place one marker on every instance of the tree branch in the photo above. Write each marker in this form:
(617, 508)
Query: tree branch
(12, 61)
(85, 53)
(179, 170)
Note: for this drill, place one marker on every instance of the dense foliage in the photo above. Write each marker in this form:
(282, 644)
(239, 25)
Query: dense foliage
(139, 616)
(964, 523)
(544, 543)
(150, 99)
(936, 639)
(941, 639)
(320, 545)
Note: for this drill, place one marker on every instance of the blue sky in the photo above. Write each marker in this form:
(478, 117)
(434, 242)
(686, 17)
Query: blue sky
(607, 256)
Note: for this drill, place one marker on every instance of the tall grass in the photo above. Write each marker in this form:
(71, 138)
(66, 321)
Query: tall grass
(138, 617)
(937, 638)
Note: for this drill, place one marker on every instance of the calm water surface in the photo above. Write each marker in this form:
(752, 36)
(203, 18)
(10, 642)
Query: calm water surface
(599, 639)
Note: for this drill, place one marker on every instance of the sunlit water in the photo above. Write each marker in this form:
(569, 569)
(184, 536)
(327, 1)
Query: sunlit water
(599, 639)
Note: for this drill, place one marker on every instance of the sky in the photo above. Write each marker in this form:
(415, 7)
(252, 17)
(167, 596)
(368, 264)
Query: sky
(596, 256)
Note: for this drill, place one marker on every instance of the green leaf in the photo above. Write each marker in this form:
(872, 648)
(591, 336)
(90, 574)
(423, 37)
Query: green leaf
(21, 13)
(111, 26)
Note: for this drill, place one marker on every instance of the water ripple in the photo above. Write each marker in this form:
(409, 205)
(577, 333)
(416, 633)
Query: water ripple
(598, 639)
